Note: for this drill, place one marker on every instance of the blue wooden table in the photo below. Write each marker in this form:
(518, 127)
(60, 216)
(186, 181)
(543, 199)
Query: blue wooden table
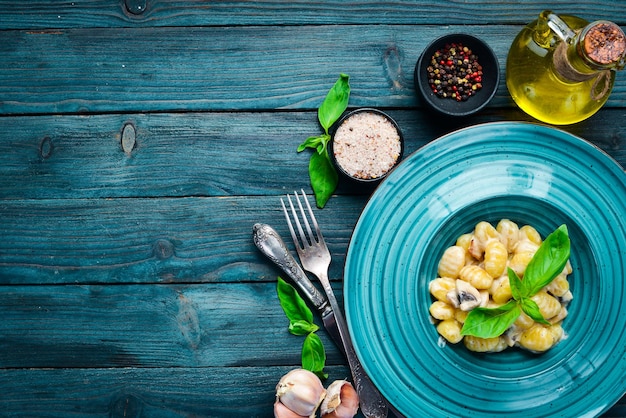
(140, 140)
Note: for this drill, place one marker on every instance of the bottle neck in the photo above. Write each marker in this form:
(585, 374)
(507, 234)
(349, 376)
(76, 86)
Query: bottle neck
(570, 65)
(596, 49)
(593, 53)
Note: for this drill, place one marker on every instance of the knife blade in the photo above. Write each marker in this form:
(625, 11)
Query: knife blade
(273, 247)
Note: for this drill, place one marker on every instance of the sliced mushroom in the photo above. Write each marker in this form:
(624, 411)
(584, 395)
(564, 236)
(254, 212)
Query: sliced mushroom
(469, 296)
(513, 335)
(453, 298)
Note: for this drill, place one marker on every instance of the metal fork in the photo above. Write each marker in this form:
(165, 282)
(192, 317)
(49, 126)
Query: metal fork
(315, 258)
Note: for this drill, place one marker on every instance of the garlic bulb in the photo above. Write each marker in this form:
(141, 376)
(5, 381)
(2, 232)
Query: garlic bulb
(341, 400)
(301, 391)
(281, 411)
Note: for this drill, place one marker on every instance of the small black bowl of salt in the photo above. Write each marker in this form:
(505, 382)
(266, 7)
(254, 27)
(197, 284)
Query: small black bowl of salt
(366, 145)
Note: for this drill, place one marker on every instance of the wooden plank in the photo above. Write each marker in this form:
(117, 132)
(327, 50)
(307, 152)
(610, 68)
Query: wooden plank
(167, 240)
(181, 155)
(130, 392)
(92, 326)
(35, 14)
(222, 68)
(116, 393)
(167, 349)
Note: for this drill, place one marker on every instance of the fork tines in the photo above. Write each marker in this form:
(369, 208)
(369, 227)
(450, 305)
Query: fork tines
(308, 239)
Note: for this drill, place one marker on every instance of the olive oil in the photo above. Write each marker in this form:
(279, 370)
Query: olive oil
(549, 74)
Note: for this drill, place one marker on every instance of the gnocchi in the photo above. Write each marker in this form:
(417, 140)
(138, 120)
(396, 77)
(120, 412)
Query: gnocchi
(477, 263)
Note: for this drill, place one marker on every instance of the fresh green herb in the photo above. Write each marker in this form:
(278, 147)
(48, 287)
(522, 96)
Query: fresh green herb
(323, 176)
(302, 327)
(301, 323)
(294, 306)
(489, 322)
(547, 263)
(531, 309)
(313, 355)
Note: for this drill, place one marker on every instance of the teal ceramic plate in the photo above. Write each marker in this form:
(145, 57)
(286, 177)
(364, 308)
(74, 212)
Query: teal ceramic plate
(530, 174)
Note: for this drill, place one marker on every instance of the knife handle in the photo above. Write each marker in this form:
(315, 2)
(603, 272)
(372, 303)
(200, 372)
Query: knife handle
(271, 244)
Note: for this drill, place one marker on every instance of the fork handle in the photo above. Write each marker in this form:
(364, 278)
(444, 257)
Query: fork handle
(272, 245)
(372, 403)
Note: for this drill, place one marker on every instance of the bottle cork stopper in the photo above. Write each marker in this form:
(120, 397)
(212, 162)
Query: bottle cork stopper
(605, 43)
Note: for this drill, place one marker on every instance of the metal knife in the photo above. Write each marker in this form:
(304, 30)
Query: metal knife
(271, 244)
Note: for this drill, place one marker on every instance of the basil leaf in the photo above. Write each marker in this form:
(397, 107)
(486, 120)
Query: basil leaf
(324, 177)
(490, 322)
(294, 306)
(335, 103)
(313, 355)
(301, 327)
(517, 284)
(314, 142)
(301, 323)
(531, 309)
(548, 262)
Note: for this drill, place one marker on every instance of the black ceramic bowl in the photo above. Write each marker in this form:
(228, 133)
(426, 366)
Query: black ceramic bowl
(364, 141)
(489, 80)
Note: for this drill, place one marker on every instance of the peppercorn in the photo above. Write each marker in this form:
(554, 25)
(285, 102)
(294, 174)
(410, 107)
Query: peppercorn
(454, 72)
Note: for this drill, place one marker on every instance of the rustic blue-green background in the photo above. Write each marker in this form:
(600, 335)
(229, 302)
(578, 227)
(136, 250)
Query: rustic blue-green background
(129, 283)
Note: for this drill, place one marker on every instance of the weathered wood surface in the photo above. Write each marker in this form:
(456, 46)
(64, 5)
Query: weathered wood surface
(103, 326)
(208, 392)
(103, 13)
(129, 283)
(166, 240)
(222, 68)
(204, 154)
(211, 68)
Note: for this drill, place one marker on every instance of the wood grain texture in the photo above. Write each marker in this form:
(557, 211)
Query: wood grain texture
(201, 346)
(223, 68)
(37, 14)
(140, 140)
(206, 154)
(93, 326)
(211, 392)
(179, 240)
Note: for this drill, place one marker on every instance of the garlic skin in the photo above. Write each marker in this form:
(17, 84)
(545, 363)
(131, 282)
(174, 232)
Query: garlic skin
(281, 411)
(301, 392)
(341, 400)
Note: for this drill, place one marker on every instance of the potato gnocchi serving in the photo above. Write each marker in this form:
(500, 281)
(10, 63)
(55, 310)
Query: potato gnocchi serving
(473, 273)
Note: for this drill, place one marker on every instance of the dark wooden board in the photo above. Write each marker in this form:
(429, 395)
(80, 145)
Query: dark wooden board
(102, 13)
(178, 240)
(93, 326)
(207, 392)
(211, 392)
(158, 351)
(222, 68)
(129, 282)
(205, 154)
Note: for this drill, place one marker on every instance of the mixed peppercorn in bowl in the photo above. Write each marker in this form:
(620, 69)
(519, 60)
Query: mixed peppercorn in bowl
(457, 74)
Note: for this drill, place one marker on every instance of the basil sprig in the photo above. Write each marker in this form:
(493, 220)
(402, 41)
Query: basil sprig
(301, 323)
(323, 176)
(547, 263)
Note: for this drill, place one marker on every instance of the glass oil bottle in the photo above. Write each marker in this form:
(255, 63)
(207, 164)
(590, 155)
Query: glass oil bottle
(561, 70)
